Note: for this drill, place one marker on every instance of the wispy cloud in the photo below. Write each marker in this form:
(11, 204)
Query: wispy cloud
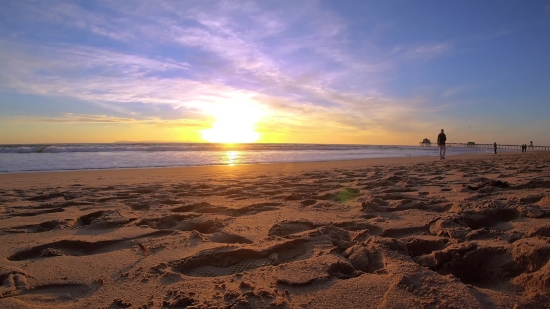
(68, 14)
(425, 52)
(294, 60)
(453, 91)
(62, 59)
(98, 75)
(107, 119)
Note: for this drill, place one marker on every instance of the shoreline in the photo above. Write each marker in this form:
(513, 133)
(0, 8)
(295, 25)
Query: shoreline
(158, 158)
(129, 175)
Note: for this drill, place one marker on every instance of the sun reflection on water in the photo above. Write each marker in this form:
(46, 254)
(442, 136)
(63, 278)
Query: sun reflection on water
(232, 157)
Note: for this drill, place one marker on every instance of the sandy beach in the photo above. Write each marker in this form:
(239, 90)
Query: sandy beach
(472, 231)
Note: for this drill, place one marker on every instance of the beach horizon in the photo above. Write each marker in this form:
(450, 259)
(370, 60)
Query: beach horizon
(31, 158)
(14, 179)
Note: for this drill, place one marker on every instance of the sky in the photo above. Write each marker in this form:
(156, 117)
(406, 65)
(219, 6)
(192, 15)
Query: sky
(334, 71)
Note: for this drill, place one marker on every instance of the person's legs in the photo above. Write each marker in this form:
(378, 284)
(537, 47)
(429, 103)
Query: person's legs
(444, 150)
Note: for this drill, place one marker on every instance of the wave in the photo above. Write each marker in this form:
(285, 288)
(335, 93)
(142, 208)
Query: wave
(59, 157)
(140, 147)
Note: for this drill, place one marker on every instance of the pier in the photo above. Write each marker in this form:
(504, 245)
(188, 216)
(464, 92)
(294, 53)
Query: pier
(490, 146)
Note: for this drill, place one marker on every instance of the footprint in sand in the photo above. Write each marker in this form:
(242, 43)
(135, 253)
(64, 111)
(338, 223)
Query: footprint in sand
(487, 266)
(222, 237)
(36, 213)
(15, 285)
(189, 222)
(425, 244)
(253, 209)
(205, 207)
(358, 226)
(467, 225)
(45, 197)
(215, 263)
(79, 247)
(488, 218)
(405, 231)
(285, 228)
(140, 205)
(13, 280)
(41, 227)
(104, 219)
(166, 222)
(46, 296)
(16, 291)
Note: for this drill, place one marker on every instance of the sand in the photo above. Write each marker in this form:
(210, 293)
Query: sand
(472, 231)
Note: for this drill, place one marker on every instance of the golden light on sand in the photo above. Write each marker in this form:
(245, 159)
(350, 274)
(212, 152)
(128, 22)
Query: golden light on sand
(235, 123)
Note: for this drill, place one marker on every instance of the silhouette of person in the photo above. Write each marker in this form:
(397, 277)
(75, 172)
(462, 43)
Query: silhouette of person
(495, 146)
(441, 139)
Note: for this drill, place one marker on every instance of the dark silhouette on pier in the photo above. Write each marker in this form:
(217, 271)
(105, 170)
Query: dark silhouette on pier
(426, 143)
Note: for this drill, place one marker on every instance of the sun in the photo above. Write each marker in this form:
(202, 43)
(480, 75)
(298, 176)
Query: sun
(235, 123)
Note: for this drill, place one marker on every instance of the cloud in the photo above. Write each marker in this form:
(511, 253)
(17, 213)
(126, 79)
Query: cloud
(106, 119)
(294, 58)
(67, 14)
(98, 75)
(72, 118)
(423, 52)
(451, 92)
(63, 59)
(122, 78)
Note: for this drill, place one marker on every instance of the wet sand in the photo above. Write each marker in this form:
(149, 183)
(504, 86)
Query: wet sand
(472, 231)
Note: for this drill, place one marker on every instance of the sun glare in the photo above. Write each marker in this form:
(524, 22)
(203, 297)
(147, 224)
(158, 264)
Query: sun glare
(235, 123)
(232, 157)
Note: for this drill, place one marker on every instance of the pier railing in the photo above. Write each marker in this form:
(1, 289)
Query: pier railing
(499, 146)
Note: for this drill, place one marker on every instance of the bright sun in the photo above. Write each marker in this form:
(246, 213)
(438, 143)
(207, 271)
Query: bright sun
(235, 123)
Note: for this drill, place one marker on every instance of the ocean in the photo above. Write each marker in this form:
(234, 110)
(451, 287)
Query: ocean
(64, 157)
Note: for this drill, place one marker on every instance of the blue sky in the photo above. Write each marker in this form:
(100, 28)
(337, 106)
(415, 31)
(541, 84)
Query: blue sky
(368, 72)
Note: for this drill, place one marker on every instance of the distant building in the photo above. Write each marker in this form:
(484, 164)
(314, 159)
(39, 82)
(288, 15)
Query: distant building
(471, 144)
(426, 141)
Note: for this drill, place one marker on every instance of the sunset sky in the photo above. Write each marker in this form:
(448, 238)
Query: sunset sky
(358, 72)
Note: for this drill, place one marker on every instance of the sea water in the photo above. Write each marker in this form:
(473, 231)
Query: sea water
(62, 157)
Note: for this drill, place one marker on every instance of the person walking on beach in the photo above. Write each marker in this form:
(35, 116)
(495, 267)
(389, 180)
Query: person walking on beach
(495, 146)
(441, 139)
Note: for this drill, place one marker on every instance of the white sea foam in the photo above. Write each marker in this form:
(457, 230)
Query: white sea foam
(57, 157)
